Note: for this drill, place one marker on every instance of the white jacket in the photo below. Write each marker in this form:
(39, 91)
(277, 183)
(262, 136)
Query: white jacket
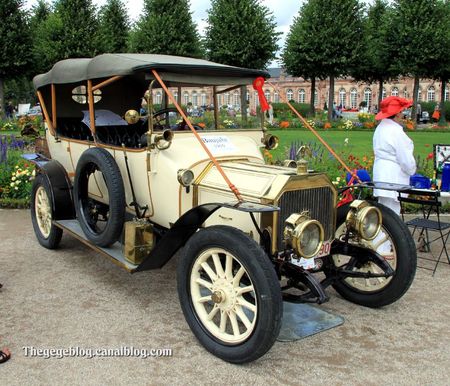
(394, 159)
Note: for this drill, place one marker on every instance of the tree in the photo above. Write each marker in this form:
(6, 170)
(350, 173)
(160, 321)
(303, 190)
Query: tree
(375, 58)
(14, 43)
(79, 26)
(331, 39)
(47, 43)
(39, 13)
(442, 72)
(166, 27)
(112, 34)
(418, 40)
(302, 48)
(241, 33)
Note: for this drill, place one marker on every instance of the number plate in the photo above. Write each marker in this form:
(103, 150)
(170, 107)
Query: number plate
(325, 250)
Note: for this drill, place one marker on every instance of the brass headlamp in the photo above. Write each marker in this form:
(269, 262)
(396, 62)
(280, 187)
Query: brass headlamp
(364, 219)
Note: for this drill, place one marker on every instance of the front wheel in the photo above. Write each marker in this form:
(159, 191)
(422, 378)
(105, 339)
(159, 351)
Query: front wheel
(229, 294)
(395, 243)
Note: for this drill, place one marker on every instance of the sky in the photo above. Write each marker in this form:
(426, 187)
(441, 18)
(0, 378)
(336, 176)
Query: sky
(283, 10)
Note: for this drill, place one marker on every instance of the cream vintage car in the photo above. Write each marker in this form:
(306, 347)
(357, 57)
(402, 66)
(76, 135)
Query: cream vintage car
(139, 187)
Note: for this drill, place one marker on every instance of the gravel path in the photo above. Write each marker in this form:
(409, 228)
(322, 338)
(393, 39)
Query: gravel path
(74, 297)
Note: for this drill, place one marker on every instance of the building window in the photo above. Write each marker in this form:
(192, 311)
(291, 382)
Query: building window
(185, 97)
(267, 95)
(237, 98)
(368, 97)
(195, 98)
(419, 95)
(289, 95)
(405, 93)
(158, 98)
(255, 96)
(316, 98)
(342, 97)
(276, 97)
(226, 98)
(203, 99)
(353, 98)
(301, 96)
(384, 93)
(175, 95)
(431, 94)
(446, 94)
(394, 91)
(219, 100)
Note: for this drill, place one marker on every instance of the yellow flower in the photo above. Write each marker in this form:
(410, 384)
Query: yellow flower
(13, 179)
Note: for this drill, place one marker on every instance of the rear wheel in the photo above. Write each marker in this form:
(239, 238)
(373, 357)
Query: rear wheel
(48, 235)
(230, 294)
(396, 245)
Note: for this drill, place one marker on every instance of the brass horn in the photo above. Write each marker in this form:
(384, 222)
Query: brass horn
(164, 140)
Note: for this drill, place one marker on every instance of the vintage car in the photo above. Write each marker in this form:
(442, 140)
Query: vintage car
(139, 188)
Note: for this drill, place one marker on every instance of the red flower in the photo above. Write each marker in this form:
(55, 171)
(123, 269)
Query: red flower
(430, 156)
(427, 145)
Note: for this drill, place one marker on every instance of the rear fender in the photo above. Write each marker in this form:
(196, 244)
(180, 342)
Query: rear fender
(60, 184)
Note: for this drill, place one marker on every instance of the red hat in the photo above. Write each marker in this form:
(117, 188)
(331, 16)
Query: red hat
(392, 105)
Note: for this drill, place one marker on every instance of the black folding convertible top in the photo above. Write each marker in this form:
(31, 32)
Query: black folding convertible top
(175, 69)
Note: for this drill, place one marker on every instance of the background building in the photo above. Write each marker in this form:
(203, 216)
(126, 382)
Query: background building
(348, 93)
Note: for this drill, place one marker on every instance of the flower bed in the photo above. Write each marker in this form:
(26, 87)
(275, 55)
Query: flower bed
(16, 174)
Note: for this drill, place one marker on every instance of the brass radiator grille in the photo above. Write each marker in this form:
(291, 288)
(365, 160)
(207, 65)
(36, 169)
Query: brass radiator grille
(318, 201)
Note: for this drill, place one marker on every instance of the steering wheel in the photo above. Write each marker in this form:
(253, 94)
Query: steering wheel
(161, 118)
(161, 121)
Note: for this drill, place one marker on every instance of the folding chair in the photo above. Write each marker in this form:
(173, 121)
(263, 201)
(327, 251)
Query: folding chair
(429, 230)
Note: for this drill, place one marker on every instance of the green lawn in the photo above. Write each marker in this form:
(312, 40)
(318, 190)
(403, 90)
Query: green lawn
(359, 142)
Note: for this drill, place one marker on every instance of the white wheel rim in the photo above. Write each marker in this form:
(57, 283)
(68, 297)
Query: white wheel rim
(217, 290)
(379, 244)
(43, 211)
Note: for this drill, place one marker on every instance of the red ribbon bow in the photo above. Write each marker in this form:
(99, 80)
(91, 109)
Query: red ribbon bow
(258, 84)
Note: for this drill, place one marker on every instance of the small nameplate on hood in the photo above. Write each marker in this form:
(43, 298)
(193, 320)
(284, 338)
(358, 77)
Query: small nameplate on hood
(219, 144)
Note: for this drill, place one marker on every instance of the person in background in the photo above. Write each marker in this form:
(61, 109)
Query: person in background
(418, 112)
(394, 159)
(436, 113)
(9, 110)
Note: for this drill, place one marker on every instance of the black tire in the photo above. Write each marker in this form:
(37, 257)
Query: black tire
(42, 213)
(98, 159)
(404, 262)
(263, 294)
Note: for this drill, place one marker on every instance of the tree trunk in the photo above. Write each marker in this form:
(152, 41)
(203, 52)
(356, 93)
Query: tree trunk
(442, 117)
(244, 105)
(414, 106)
(2, 99)
(380, 93)
(312, 108)
(331, 99)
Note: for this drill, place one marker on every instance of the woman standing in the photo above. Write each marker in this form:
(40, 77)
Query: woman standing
(394, 159)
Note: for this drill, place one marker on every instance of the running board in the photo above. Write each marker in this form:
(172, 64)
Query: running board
(114, 253)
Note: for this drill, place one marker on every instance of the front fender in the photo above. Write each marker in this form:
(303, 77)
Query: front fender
(186, 226)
